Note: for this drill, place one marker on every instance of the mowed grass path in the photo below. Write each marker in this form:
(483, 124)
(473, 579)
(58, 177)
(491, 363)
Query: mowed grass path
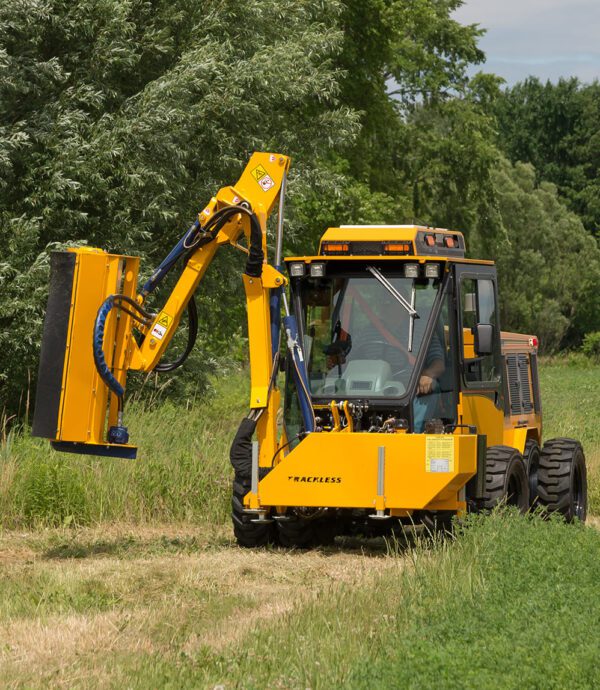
(512, 603)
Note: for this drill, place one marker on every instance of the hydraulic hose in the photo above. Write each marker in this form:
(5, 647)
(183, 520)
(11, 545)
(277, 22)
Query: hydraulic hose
(192, 311)
(256, 255)
(196, 236)
(98, 347)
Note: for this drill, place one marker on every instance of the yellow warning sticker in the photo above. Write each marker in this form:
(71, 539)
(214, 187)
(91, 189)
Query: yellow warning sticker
(263, 178)
(162, 324)
(164, 319)
(439, 454)
(258, 172)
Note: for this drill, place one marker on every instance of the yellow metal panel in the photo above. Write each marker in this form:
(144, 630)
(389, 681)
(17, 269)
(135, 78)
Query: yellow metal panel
(480, 410)
(366, 233)
(259, 339)
(261, 180)
(341, 470)
(84, 398)
(516, 438)
(266, 430)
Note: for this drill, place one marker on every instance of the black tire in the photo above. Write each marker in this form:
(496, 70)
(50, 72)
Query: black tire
(305, 534)
(506, 480)
(247, 533)
(531, 456)
(562, 479)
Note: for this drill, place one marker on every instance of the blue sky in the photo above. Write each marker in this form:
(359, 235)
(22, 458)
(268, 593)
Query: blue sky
(545, 38)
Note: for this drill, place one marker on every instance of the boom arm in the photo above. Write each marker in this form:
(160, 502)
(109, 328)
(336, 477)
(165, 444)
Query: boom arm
(72, 401)
(242, 209)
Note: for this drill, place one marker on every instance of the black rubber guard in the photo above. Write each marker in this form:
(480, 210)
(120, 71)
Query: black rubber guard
(256, 255)
(54, 344)
(241, 448)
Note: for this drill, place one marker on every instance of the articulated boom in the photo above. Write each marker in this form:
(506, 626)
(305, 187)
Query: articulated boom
(93, 292)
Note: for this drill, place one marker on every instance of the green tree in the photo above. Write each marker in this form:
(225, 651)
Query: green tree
(548, 265)
(556, 127)
(119, 118)
(426, 145)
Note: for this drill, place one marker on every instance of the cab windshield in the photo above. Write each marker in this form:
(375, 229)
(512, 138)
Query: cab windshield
(360, 339)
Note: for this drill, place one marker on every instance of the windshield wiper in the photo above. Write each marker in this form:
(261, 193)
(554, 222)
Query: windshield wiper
(410, 308)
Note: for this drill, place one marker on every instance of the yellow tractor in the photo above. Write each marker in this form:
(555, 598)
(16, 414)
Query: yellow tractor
(403, 400)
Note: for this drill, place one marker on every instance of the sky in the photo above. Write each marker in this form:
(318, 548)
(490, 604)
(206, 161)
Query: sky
(545, 38)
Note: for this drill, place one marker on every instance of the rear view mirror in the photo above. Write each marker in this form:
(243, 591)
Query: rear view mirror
(484, 338)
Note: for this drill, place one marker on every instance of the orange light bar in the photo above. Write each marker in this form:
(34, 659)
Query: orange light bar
(401, 248)
(338, 248)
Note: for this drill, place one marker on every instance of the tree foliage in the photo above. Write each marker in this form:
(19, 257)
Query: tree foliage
(555, 127)
(548, 265)
(120, 118)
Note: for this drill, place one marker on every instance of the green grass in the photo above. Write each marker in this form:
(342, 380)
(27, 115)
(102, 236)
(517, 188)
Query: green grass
(511, 603)
(182, 473)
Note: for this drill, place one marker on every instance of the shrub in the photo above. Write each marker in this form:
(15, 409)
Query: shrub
(591, 345)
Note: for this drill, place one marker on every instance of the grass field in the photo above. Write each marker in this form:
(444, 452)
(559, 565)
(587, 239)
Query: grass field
(118, 574)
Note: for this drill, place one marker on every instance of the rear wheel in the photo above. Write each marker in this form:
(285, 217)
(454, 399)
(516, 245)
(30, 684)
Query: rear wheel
(562, 479)
(248, 534)
(506, 480)
(531, 456)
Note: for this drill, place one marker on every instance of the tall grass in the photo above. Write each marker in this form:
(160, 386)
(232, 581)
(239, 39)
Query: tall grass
(182, 473)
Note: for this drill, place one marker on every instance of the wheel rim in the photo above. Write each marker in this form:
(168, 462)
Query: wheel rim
(514, 491)
(533, 474)
(578, 497)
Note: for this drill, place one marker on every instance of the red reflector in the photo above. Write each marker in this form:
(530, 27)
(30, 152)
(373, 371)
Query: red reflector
(449, 242)
(533, 342)
(430, 240)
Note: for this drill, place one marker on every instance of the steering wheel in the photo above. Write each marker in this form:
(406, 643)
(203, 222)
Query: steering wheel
(376, 349)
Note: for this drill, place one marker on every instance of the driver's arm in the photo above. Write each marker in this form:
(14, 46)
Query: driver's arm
(434, 366)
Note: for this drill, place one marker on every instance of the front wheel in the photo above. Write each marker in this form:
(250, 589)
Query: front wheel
(303, 533)
(247, 533)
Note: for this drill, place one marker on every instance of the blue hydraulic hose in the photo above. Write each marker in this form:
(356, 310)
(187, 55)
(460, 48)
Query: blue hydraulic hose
(275, 311)
(299, 373)
(170, 260)
(98, 347)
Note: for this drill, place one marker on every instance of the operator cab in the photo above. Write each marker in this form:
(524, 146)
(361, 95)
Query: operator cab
(374, 312)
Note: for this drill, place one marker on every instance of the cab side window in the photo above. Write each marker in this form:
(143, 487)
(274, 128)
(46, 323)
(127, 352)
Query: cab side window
(478, 306)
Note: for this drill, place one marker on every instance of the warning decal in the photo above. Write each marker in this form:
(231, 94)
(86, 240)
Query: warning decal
(161, 326)
(263, 178)
(439, 454)
(258, 172)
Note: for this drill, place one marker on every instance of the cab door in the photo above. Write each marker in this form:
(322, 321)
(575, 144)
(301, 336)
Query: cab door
(480, 356)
